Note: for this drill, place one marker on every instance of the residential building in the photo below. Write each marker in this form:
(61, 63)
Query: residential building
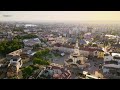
(55, 71)
(13, 54)
(100, 53)
(13, 67)
(31, 42)
(111, 67)
(92, 51)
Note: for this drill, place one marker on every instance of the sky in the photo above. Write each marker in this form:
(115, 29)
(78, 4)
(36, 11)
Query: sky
(59, 15)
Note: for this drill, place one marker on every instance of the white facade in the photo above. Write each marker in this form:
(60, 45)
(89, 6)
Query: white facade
(108, 58)
(18, 62)
(116, 54)
(108, 67)
(111, 36)
(105, 70)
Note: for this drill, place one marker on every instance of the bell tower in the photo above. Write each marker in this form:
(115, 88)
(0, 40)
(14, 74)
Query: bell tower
(76, 48)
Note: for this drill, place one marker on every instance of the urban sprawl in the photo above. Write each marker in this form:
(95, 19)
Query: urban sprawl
(59, 51)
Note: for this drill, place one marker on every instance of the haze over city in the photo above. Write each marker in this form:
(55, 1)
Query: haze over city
(59, 45)
(77, 16)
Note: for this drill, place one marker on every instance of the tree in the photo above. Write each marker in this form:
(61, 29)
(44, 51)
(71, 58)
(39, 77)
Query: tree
(40, 57)
(9, 46)
(45, 52)
(42, 53)
(27, 71)
(40, 61)
(90, 44)
(94, 45)
(28, 36)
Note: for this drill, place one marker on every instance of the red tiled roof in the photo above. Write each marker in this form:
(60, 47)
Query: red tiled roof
(57, 44)
(91, 49)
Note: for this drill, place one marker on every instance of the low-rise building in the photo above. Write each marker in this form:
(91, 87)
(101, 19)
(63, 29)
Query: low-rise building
(13, 67)
(13, 54)
(55, 71)
(31, 42)
(111, 67)
(92, 51)
(100, 53)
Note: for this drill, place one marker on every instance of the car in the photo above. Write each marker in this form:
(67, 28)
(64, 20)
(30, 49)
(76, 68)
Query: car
(85, 72)
(62, 54)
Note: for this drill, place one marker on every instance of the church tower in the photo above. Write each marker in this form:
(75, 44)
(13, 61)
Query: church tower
(76, 49)
(76, 58)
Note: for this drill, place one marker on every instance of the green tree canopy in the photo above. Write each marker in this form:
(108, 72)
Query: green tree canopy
(40, 61)
(10, 46)
(90, 44)
(94, 45)
(28, 36)
(40, 57)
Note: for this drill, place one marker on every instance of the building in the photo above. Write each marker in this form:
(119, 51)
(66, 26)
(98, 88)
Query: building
(100, 53)
(108, 57)
(111, 36)
(111, 67)
(31, 42)
(54, 71)
(115, 48)
(13, 54)
(63, 49)
(83, 42)
(16, 60)
(92, 52)
(27, 52)
(61, 40)
(76, 59)
(13, 67)
(84, 53)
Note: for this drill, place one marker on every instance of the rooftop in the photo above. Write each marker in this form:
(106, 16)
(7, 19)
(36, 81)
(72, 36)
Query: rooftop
(112, 65)
(31, 41)
(56, 72)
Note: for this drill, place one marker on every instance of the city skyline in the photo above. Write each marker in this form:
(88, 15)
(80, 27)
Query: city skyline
(60, 16)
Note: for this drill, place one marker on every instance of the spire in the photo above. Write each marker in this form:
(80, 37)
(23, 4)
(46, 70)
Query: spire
(76, 46)
(76, 49)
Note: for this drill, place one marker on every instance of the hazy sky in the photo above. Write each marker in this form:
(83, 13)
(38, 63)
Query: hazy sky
(59, 15)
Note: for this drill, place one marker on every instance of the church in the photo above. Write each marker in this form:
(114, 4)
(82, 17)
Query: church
(76, 59)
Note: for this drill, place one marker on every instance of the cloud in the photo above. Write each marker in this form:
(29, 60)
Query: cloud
(7, 15)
